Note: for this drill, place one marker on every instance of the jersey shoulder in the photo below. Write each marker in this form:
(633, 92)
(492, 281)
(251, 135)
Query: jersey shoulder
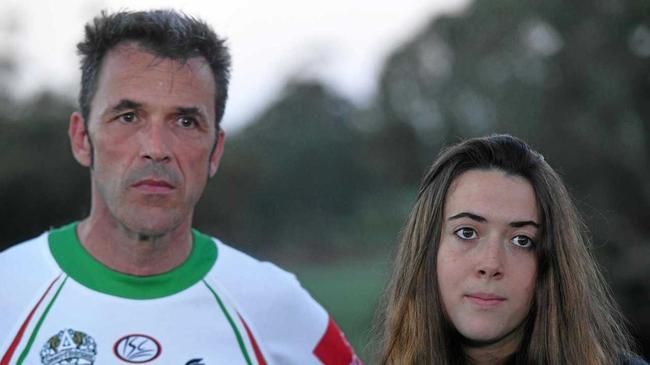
(251, 282)
(236, 268)
(26, 260)
(292, 327)
(26, 270)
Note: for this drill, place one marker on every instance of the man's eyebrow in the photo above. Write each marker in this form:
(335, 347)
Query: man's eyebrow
(473, 216)
(191, 110)
(123, 104)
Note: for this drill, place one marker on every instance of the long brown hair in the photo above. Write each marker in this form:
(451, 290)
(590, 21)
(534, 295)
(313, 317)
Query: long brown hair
(573, 318)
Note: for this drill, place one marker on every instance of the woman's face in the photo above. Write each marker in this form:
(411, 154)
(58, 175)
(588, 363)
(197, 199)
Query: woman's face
(486, 263)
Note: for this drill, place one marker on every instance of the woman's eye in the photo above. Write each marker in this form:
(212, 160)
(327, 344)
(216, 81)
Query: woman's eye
(523, 241)
(466, 233)
(127, 117)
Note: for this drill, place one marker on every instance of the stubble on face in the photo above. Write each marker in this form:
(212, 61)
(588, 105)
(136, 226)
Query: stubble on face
(162, 87)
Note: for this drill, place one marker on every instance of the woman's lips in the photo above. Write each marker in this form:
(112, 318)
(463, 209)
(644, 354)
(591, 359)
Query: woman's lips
(485, 299)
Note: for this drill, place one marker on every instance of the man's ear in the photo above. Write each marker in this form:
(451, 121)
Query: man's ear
(217, 152)
(82, 149)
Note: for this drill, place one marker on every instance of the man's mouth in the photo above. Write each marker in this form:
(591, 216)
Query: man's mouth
(154, 186)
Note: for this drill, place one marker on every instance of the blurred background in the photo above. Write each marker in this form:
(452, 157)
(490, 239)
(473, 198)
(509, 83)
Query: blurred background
(337, 110)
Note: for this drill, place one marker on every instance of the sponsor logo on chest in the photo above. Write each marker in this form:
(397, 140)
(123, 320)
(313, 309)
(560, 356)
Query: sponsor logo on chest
(137, 348)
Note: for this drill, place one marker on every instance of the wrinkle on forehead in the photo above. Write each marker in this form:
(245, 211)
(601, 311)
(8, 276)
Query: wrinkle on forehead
(130, 49)
(131, 72)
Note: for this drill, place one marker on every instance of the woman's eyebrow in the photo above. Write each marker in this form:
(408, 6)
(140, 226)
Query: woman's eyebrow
(519, 224)
(478, 218)
(473, 216)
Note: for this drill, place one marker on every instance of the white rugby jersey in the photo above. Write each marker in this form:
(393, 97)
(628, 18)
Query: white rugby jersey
(60, 306)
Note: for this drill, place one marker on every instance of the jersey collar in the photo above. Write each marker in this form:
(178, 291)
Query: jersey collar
(77, 263)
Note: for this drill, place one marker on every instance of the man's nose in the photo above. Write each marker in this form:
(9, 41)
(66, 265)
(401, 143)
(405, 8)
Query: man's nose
(155, 141)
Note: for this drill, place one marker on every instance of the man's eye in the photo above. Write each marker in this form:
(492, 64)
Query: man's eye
(128, 117)
(466, 233)
(523, 241)
(187, 122)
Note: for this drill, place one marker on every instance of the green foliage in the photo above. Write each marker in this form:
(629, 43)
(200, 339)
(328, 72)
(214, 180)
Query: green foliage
(41, 185)
(297, 179)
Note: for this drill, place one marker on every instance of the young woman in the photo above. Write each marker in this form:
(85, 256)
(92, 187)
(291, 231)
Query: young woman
(494, 268)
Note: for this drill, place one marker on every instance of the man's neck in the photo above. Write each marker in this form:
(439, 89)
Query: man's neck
(129, 252)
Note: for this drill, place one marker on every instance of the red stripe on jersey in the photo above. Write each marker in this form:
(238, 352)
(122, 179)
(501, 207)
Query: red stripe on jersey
(258, 353)
(334, 349)
(14, 344)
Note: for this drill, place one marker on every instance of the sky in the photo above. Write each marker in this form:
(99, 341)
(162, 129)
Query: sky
(341, 42)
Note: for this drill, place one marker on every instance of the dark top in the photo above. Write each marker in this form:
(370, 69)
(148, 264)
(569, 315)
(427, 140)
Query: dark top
(632, 360)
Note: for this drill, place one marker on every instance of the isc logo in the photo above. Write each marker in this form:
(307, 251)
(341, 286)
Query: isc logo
(137, 348)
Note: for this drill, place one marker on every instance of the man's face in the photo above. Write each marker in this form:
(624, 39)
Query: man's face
(150, 139)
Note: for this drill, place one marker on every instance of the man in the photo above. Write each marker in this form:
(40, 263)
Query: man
(132, 282)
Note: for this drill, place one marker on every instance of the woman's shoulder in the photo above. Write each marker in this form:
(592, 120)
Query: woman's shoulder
(632, 359)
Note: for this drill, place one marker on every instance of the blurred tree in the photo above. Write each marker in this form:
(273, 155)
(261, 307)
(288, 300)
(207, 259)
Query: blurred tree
(41, 185)
(8, 33)
(293, 177)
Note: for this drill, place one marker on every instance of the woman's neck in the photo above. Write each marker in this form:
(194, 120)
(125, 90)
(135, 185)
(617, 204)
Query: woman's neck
(494, 353)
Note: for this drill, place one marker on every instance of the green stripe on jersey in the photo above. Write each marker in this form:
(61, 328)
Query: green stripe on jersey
(30, 342)
(77, 263)
(240, 340)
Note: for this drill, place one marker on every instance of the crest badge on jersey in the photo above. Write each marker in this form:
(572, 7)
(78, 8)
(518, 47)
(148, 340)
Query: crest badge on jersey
(69, 347)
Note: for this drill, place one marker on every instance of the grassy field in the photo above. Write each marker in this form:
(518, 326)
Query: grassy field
(350, 291)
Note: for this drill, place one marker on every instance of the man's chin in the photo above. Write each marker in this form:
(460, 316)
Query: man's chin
(152, 226)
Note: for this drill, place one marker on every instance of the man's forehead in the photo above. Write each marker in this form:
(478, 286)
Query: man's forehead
(131, 72)
(127, 51)
(130, 63)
